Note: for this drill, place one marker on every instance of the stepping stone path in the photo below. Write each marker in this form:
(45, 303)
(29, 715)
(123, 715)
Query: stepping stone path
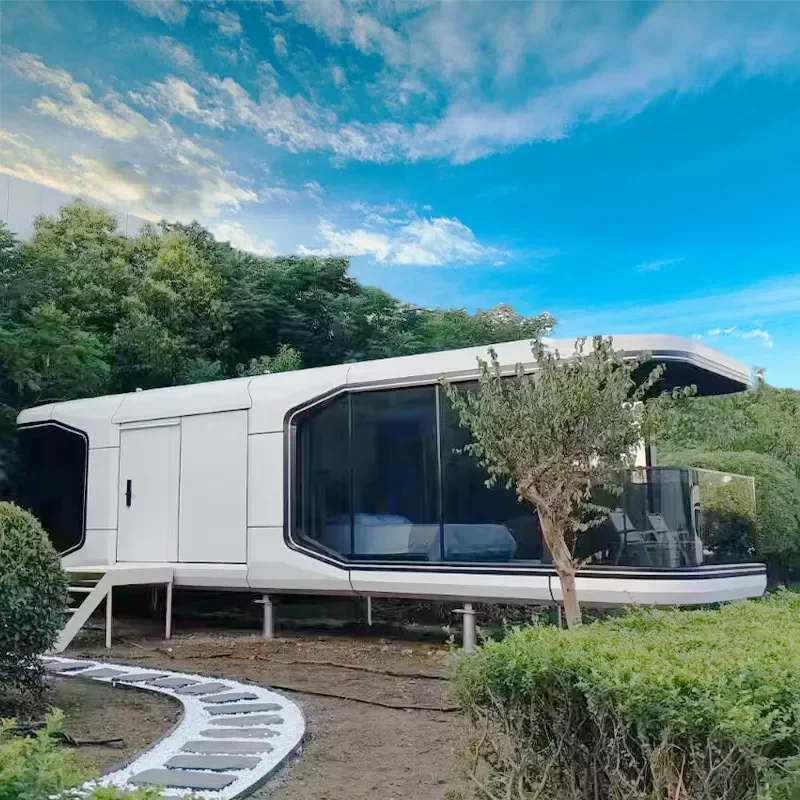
(218, 751)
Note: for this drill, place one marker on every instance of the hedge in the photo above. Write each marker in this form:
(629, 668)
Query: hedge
(648, 705)
(33, 596)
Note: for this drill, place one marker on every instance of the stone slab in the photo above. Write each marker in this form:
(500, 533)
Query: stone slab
(102, 672)
(250, 719)
(235, 708)
(213, 762)
(239, 733)
(141, 677)
(182, 779)
(231, 697)
(63, 666)
(226, 747)
(203, 688)
(175, 682)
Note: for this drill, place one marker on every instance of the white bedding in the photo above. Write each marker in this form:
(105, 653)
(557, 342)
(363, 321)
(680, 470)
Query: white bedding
(390, 534)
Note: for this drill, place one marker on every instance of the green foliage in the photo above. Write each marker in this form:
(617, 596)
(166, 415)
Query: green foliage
(33, 596)
(85, 310)
(38, 768)
(648, 705)
(765, 420)
(777, 498)
(285, 360)
(557, 434)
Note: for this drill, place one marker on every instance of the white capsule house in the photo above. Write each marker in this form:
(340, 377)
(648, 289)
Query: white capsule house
(345, 480)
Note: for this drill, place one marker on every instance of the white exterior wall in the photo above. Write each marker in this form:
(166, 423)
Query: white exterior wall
(232, 470)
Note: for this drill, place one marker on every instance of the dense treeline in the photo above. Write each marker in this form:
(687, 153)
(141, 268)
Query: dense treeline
(85, 310)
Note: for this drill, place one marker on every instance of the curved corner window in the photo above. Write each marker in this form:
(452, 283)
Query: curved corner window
(54, 461)
(381, 476)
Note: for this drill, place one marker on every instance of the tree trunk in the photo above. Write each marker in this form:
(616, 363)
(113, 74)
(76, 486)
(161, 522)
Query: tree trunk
(553, 534)
(572, 608)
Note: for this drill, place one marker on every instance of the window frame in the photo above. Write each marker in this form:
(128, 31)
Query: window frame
(85, 498)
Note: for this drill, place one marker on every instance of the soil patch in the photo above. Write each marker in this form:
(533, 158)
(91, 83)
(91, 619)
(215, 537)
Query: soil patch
(98, 711)
(353, 750)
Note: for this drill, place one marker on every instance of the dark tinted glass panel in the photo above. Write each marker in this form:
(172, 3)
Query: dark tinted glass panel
(395, 475)
(650, 525)
(481, 523)
(53, 484)
(322, 511)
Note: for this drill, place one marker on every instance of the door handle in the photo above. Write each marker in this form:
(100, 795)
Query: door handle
(128, 492)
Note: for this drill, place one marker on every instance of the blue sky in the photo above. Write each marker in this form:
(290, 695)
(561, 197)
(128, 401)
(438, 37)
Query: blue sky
(626, 167)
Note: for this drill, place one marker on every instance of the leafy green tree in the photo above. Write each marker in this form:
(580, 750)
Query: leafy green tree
(557, 435)
(765, 420)
(285, 360)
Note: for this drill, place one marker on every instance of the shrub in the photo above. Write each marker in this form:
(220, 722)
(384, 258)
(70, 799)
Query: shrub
(38, 768)
(648, 705)
(33, 596)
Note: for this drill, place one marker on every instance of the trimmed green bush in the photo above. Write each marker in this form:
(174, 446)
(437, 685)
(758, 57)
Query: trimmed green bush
(649, 705)
(777, 499)
(33, 596)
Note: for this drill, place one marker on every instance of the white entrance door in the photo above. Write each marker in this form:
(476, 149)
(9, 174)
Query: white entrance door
(148, 492)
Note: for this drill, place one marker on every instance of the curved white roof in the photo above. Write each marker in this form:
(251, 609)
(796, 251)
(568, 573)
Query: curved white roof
(240, 393)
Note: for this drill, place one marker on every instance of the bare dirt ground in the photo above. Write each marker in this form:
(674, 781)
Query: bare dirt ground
(97, 712)
(353, 750)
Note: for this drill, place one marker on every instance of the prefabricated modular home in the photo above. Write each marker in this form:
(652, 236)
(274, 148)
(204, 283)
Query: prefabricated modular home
(346, 480)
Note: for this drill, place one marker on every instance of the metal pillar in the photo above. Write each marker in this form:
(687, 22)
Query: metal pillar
(369, 611)
(109, 614)
(269, 617)
(470, 637)
(559, 620)
(168, 620)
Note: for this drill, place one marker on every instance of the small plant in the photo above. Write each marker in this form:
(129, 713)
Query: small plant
(33, 596)
(39, 768)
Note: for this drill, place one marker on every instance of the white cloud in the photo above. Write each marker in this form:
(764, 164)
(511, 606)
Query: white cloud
(234, 233)
(121, 183)
(733, 330)
(111, 119)
(591, 63)
(228, 22)
(658, 264)
(173, 51)
(758, 333)
(768, 300)
(176, 96)
(172, 12)
(279, 43)
(339, 78)
(417, 241)
(162, 173)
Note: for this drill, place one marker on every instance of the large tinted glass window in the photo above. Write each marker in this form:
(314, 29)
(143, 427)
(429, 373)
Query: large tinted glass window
(53, 484)
(395, 475)
(480, 523)
(322, 494)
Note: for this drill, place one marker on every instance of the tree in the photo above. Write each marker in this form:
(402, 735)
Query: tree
(285, 360)
(557, 435)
